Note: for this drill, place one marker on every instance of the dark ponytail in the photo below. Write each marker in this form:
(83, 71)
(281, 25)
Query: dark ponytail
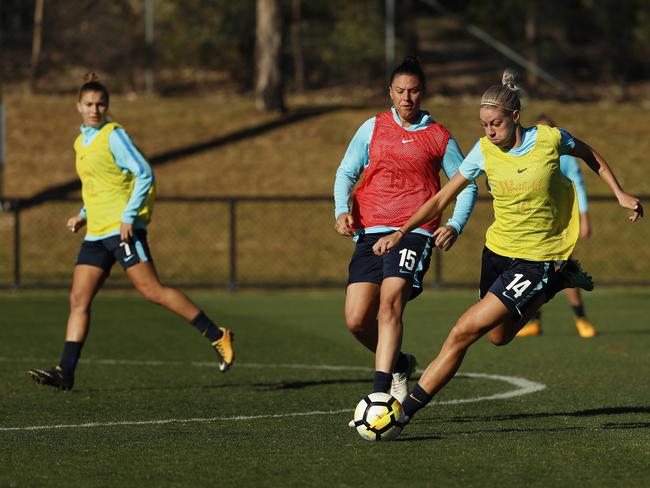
(410, 66)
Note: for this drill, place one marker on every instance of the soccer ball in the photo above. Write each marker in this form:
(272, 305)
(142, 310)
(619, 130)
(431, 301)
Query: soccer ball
(371, 407)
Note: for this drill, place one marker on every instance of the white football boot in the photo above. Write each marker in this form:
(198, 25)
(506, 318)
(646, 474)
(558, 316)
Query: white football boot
(399, 387)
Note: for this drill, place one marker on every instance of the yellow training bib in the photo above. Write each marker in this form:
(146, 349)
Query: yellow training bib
(535, 208)
(105, 188)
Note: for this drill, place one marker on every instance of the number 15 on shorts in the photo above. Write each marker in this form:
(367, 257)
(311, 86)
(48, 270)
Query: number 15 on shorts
(407, 259)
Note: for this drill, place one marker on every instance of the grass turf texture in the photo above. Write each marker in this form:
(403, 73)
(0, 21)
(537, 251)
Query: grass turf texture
(588, 427)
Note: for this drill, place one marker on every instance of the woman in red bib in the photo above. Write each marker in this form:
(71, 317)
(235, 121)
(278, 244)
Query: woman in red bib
(399, 155)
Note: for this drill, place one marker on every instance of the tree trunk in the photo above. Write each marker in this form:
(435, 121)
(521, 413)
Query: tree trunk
(531, 41)
(268, 52)
(36, 42)
(296, 46)
(408, 32)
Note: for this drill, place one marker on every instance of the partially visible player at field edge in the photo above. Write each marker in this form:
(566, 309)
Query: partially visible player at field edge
(526, 255)
(400, 154)
(118, 195)
(571, 169)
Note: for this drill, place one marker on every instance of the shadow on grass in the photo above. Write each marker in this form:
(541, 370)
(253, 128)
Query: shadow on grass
(280, 385)
(527, 430)
(594, 412)
(63, 189)
(298, 385)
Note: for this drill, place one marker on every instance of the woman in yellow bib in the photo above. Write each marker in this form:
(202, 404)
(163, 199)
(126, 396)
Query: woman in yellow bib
(118, 194)
(526, 255)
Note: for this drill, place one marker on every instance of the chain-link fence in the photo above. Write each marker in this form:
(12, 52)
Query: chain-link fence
(271, 242)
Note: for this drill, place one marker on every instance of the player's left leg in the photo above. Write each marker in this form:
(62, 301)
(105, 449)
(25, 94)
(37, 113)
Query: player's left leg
(145, 279)
(135, 258)
(585, 328)
(392, 300)
(533, 327)
(402, 270)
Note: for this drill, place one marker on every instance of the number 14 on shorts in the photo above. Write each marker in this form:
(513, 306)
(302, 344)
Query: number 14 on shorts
(519, 287)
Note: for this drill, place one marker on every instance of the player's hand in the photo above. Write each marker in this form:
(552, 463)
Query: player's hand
(445, 236)
(75, 223)
(386, 243)
(632, 203)
(126, 232)
(345, 224)
(585, 226)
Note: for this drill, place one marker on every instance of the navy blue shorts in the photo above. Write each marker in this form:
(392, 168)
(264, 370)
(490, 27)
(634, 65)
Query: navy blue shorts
(409, 260)
(517, 281)
(103, 254)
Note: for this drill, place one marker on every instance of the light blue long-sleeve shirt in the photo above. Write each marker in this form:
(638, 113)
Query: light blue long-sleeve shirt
(357, 158)
(129, 159)
(474, 164)
(570, 168)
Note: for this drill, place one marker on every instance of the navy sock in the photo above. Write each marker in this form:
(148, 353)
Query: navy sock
(206, 327)
(415, 401)
(382, 381)
(70, 357)
(537, 316)
(579, 310)
(402, 363)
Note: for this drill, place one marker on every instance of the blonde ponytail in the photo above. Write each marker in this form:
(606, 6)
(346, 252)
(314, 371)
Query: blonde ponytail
(507, 95)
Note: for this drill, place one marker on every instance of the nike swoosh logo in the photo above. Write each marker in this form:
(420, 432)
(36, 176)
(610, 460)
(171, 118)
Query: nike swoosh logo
(404, 141)
(129, 258)
(521, 170)
(404, 272)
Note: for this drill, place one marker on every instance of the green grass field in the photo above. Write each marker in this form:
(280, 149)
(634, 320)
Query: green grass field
(149, 407)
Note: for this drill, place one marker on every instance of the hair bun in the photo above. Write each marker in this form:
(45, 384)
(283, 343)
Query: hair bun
(511, 79)
(90, 77)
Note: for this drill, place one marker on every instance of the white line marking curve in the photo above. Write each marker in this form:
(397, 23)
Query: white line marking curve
(523, 387)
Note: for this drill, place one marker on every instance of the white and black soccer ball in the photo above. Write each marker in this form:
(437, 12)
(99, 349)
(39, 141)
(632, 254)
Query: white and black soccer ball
(370, 408)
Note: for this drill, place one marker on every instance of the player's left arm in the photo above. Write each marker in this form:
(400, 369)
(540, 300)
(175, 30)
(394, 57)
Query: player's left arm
(129, 158)
(598, 164)
(447, 234)
(570, 168)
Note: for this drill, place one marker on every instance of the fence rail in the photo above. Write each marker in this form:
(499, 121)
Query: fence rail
(274, 242)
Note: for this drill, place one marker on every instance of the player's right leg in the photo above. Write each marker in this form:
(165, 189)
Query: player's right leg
(86, 282)
(477, 321)
(511, 291)
(361, 308)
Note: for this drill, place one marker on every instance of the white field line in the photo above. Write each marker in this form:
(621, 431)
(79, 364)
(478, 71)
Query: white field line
(522, 387)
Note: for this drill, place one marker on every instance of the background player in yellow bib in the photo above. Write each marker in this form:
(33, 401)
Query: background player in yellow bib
(526, 255)
(118, 194)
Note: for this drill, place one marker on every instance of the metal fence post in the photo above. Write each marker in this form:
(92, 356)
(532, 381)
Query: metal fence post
(232, 282)
(16, 209)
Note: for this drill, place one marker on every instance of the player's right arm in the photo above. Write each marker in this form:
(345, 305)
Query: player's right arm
(471, 168)
(427, 212)
(75, 223)
(354, 161)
